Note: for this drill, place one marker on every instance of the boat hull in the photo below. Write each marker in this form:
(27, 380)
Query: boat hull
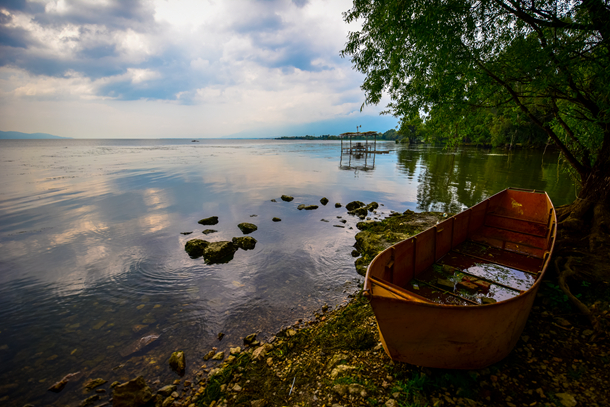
(421, 332)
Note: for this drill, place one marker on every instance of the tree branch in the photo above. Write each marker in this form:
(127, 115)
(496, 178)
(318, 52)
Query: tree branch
(582, 170)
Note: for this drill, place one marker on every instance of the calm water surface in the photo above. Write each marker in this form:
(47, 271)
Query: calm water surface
(92, 256)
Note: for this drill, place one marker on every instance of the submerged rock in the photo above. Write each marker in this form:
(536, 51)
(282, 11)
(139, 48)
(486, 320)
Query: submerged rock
(185, 233)
(195, 247)
(287, 198)
(134, 393)
(245, 242)
(59, 386)
(247, 228)
(209, 231)
(89, 400)
(177, 362)
(93, 383)
(139, 345)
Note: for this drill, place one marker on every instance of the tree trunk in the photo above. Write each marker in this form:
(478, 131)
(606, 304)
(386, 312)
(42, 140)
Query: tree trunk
(584, 225)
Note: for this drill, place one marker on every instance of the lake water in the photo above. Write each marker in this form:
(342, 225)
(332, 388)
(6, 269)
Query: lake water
(92, 256)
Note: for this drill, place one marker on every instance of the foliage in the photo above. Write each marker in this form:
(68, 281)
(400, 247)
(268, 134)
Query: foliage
(490, 69)
(390, 135)
(412, 129)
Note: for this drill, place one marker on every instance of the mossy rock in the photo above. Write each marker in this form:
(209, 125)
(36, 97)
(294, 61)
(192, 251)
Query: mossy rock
(212, 220)
(287, 198)
(177, 362)
(324, 201)
(361, 212)
(245, 242)
(375, 237)
(219, 252)
(354, 205)
(372, 206)
(307, 207)
(196, 247)
(247, 228)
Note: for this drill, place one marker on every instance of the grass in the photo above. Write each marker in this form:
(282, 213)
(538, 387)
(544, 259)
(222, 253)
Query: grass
(345, 331)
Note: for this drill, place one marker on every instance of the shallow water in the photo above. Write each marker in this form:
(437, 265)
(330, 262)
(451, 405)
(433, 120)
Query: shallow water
(92, 256)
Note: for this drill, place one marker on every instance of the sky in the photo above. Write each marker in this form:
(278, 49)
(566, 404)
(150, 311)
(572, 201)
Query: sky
(180, 68)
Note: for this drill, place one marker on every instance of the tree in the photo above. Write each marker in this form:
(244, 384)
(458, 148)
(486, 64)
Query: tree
(548, 60)
(411, 129)
(389, 135)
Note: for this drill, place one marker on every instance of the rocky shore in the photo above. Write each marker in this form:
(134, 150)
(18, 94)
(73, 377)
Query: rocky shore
(336, 358)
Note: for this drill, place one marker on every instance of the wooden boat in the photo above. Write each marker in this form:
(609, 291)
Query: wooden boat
(458, 295)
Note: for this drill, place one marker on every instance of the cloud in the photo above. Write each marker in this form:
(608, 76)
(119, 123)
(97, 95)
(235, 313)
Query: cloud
(243, 62)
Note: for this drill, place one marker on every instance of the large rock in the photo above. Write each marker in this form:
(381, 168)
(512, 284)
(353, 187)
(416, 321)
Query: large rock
(134, 393)
(212, 220)
(245, 242)
(177, 362)
(219, 252)
(247, 228)
(195, 247)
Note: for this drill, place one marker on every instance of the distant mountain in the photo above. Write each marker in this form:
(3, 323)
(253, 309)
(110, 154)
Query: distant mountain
(22, 136)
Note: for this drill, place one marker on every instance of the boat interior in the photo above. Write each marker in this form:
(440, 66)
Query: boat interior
(491, 252)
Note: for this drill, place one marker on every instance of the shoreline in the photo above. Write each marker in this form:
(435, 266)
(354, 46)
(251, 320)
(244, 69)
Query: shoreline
(336, 358)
